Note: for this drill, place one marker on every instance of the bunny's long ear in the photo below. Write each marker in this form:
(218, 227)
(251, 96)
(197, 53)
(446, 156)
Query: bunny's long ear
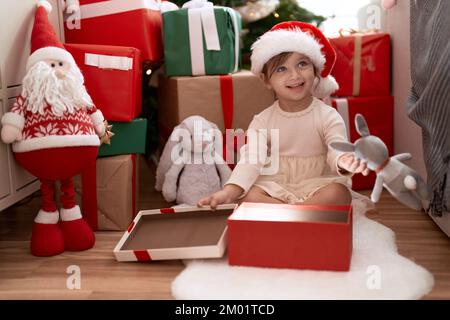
(361, 125)
(343, 146)
(166, 161)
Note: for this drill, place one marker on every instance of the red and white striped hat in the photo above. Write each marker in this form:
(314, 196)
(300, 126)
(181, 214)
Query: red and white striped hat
(301, 37)
(44, 42)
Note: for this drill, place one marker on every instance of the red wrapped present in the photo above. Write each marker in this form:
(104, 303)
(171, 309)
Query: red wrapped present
(290, 236)
(130, 23)
(363, 64)
(113, 77)
(379, 114)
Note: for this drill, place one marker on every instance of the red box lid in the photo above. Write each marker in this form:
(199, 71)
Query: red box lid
(175, 233)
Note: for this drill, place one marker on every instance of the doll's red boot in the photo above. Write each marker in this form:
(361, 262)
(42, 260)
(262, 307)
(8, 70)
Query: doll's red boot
(78, 235)
(47, 238)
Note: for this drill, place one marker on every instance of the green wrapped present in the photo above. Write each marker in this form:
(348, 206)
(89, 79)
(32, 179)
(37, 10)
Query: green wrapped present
(129, 138)
(201, 41)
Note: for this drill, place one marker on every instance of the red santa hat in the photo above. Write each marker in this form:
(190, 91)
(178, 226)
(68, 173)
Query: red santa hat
(44, 42)
(301, 37)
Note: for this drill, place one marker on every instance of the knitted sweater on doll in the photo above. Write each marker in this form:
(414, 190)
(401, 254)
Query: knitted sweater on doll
(46, 130)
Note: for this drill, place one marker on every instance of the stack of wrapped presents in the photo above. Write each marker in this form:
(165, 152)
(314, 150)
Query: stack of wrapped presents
(363, 71)
(203, 76)
(111, 43)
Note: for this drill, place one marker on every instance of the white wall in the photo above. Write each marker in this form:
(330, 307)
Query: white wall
(407, 135)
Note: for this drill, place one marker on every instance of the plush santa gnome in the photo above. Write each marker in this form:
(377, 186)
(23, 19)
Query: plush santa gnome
(55, 130)
(300, 37)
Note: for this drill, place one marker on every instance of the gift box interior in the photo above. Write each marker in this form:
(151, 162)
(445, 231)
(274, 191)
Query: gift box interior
(177, 230)
(172, 234)
(291, 236)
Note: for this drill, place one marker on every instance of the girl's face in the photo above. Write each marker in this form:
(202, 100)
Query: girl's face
(293, 79)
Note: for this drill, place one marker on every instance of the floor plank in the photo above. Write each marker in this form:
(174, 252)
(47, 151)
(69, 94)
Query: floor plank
(23, 276)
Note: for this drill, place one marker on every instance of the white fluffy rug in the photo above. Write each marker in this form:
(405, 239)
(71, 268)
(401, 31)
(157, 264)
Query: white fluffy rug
(377, 272)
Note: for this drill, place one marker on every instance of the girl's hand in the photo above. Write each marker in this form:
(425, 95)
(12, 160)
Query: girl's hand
(228, 194)
(349, 163)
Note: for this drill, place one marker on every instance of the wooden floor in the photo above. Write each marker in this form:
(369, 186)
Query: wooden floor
(23, 276)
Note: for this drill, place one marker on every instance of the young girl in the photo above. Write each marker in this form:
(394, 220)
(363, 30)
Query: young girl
(294, 59)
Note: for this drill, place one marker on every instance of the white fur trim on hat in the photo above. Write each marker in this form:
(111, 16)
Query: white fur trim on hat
(45, 217)
(53, 53)
(325, 87)
(13, 119)
(47, 6)
(275, 42)
(71, 214)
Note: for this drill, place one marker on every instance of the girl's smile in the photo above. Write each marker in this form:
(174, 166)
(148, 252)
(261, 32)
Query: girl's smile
(292, 82)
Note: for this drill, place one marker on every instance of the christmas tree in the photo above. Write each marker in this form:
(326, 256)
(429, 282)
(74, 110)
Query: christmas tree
(258, 16)
(287, 10)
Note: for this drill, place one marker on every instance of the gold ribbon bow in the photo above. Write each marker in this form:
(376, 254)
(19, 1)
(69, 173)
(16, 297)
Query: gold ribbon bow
(106, 137)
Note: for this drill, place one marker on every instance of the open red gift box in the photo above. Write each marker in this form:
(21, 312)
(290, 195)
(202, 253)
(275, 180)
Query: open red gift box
(291, 236)
(259, 234)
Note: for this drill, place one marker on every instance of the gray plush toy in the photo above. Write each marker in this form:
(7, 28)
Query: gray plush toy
(404, 183)
(190, 168)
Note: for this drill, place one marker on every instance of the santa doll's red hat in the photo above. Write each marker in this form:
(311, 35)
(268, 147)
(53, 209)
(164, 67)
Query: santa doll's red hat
(300, 37)
(44, 42)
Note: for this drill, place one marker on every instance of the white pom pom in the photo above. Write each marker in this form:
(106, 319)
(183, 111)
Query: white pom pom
(47, 6)
(326, 87)
(410, 183)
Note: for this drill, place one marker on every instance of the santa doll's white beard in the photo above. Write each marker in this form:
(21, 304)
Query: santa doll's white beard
(42, 87)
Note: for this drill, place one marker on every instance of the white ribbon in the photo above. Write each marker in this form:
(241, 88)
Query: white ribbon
(108, 62)
(104, 8)
(197, 4)
(202, 22)
(205, 21)
(342, 108)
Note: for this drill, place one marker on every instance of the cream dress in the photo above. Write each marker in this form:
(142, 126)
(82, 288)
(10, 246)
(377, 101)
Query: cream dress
(306, 163)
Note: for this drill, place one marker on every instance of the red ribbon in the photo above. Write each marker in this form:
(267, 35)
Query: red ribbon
(227, 96)
(142, 255)
(89, 195)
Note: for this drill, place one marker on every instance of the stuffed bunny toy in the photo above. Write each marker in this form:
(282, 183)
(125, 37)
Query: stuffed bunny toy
(401, 181)
(190, 168)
